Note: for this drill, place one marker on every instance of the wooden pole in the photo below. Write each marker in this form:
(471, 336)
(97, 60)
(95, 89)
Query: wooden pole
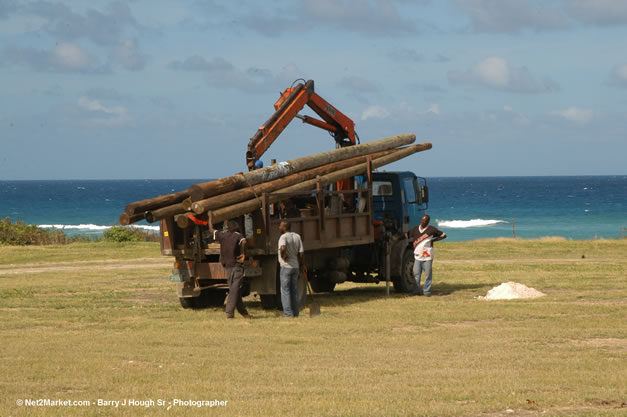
(182, 221)
(209, 189)
(513, 229)
(155, 202)
(249, 206)
(125, 219)
(164, 212)
(246, 193)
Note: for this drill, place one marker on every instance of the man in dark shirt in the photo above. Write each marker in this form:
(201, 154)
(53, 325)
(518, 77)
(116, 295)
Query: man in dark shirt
(232, 256)
(423, 237)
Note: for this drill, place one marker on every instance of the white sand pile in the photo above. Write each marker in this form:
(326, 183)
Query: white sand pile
(511, 290)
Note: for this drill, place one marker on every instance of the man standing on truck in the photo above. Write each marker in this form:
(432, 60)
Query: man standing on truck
(291, 260)
(232, 256)
(423, 237)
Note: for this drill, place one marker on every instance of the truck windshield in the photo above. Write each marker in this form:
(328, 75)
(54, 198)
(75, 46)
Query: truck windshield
(382, 188)
(410, 190)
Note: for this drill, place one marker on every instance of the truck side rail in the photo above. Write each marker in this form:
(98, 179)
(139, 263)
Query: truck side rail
(337, 218)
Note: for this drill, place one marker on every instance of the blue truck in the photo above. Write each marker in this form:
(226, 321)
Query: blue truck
(351, 231)
(352, 235)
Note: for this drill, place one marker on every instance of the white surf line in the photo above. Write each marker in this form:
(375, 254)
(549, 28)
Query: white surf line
(465, 224)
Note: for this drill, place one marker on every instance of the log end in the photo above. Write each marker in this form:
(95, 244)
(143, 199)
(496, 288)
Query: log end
(124, 219)
(198, 208)
(187, 204)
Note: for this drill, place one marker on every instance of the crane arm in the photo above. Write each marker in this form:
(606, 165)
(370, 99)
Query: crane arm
(292, 101)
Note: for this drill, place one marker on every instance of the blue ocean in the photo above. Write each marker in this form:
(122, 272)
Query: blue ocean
(574, 207)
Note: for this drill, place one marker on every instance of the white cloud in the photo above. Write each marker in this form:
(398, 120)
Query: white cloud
(512, 16)
(621, 72)
(493, 71)
(105, 115)
(364, 16)
(619, 75)
(576, 114)
(64, 57)
(507, 108)
(497, 73)
(198, 63)
(220, 73)
(70, 56)
(407, 111)
(127, 54)
(434, 108)
(359, 84)
(599, 12)
(375, 112)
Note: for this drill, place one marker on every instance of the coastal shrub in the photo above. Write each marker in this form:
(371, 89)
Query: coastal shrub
(127, 234)
(121, 234)
(19, 233)
(80, 238)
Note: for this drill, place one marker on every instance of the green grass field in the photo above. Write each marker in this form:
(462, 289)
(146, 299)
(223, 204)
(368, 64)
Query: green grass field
(101, 321)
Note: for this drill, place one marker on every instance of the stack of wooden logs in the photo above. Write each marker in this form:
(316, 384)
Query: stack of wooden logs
(239, 194)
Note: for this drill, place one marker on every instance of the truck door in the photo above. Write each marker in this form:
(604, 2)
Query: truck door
(413, 207)
(386, 199)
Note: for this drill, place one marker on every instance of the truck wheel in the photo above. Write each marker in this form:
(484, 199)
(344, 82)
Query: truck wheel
(268, 301)
(187, 302)
(211, 298)
(319, 284)
(406, 282)
(207, 298)
(245, 291)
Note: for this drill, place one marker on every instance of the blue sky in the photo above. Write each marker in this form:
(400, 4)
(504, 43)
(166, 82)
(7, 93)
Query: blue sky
(160, 89)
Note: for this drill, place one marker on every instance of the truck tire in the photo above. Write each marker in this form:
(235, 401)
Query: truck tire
(211, 298)
(207, 298)
(187, 302)
(268, 301)
(406, 283)
(319, 284)
(245, 291)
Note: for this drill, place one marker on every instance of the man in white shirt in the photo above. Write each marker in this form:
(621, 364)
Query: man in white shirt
(423, 237)
(291, 260)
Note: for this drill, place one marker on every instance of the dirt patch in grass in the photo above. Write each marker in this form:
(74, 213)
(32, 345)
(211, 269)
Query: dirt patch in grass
(469, 323)
(55, 294)
(614, 343)
(604, 407)
(408, 329)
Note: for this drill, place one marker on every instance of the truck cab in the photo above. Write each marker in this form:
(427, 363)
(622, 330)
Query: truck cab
(399, 199)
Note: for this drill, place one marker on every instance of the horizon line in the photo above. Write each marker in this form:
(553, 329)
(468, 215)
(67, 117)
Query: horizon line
(211, 179)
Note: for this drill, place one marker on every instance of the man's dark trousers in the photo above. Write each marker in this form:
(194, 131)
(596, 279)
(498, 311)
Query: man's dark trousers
(235, 275)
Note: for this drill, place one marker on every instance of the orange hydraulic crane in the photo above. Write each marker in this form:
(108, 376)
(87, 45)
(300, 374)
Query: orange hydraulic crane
(292, 100)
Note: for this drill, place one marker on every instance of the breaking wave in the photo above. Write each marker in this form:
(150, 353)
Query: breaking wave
(92, 227)
(462, 224)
